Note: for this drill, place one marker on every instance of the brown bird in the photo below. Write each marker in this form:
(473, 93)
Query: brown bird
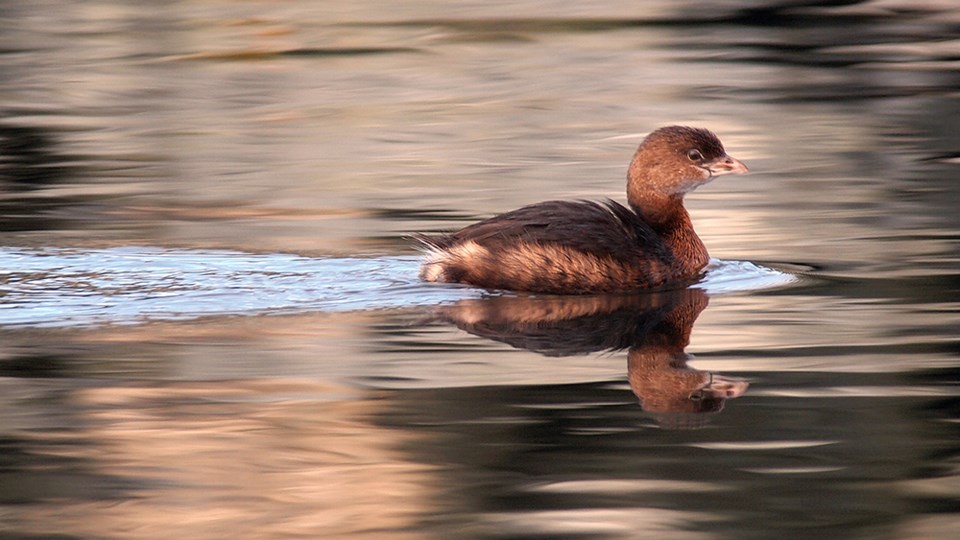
(578, 247)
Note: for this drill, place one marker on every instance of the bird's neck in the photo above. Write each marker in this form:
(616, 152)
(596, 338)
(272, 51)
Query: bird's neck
(669, 219)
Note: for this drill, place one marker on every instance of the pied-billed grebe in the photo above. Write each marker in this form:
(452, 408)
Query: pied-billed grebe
(576, 247)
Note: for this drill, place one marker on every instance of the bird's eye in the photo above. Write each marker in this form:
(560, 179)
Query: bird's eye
(694, 155)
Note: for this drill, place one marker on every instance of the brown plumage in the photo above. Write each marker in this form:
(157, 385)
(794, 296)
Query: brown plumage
(575, 247)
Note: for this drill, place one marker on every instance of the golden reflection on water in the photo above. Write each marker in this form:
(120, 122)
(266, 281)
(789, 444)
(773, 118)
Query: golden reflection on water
(261, 458)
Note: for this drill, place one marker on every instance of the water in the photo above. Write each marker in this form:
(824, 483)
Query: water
(210, 322)
(56, 287)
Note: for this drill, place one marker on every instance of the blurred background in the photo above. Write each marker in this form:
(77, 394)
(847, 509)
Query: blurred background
(291, 147)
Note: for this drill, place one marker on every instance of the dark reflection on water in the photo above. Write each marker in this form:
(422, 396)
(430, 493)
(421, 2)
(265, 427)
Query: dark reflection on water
(655, 327)
(574, 460)
(29, 162)
(168, 371)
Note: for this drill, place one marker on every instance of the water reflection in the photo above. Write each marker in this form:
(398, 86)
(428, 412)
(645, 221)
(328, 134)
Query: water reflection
(30, 161)
(655, 327)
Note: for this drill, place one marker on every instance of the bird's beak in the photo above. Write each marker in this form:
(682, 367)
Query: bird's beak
(726, 165)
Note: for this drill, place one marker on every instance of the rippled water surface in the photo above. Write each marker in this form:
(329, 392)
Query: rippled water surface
(211, 325)
(89, 288)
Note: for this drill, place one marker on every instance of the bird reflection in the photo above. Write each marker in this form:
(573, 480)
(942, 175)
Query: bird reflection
(654, 327)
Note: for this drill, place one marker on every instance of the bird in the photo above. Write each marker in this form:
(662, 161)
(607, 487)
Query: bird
(589, 247)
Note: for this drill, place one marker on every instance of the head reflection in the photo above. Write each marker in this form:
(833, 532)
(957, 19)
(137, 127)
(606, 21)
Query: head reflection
(654, 327)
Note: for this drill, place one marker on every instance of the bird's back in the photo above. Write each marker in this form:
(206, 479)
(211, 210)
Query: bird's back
(554, 247)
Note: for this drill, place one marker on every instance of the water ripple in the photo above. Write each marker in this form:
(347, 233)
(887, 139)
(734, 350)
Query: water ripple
(81, 287)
